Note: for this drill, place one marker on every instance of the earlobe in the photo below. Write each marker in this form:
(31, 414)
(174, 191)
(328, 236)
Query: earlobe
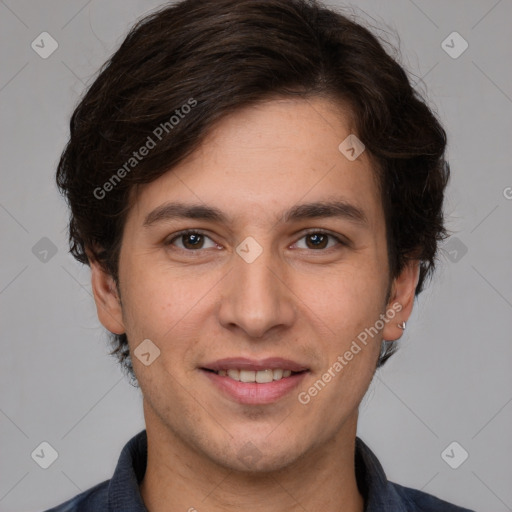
(108, 304)
(402, 294)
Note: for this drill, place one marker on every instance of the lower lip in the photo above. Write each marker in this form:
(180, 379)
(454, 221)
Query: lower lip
(254, 393)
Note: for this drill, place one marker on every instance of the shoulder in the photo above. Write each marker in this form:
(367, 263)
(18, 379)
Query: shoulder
(382, 494)
(419, 501)
(91, 500)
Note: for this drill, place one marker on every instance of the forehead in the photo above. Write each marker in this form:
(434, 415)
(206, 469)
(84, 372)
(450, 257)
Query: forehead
(268, 157)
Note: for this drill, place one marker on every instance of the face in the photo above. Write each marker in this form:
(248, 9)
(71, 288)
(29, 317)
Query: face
(262, 257)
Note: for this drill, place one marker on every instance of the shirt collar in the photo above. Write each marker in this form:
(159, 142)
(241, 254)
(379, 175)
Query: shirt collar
(123, 490)
(124, 494)
(378, 493)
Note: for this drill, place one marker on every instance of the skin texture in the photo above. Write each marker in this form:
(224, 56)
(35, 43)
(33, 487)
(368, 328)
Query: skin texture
(294, 301)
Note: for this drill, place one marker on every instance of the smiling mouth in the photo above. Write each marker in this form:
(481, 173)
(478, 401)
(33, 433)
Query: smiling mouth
(253, 376)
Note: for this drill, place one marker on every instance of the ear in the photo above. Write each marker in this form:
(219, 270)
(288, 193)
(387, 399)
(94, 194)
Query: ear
(401, 299)
(108, 303)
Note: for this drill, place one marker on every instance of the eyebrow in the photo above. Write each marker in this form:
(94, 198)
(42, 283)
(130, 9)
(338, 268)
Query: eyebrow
(323, 209)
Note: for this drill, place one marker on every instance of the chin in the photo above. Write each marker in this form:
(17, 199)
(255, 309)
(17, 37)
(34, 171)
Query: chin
(248, 458)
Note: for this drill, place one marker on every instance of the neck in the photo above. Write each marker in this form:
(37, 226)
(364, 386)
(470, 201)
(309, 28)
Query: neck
(179, 478)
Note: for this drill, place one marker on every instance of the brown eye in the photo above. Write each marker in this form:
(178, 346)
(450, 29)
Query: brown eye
(317, 240)
(191, 240)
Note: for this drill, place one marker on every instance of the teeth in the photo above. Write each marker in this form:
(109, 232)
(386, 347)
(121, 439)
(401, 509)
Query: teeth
(264, 376)
(278, 374)
(261, 376)
(247, 376)
(234, 374)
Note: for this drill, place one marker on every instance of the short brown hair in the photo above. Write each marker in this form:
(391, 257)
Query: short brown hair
(218, 56)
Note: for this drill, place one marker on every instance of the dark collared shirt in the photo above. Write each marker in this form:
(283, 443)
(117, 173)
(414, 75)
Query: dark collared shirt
(121, 493)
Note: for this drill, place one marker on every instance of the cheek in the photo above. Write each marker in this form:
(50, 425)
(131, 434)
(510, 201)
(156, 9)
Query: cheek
(155, 297)
(348, 298)
(166, 310)
(346, 308)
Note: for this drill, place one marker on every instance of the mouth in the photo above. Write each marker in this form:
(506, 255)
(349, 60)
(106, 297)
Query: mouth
(254, 382)
(259, 376)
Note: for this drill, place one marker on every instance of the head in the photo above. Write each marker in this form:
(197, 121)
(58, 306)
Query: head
(238, 109)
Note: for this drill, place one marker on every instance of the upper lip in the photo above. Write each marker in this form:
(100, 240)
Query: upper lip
(243, 363)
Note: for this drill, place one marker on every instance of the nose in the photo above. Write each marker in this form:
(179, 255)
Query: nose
(256, 297)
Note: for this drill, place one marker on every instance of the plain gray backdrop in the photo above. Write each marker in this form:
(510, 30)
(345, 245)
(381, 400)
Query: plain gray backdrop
(450, 381)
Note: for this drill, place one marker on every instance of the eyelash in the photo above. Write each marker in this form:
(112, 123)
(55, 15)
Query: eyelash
(176, 236)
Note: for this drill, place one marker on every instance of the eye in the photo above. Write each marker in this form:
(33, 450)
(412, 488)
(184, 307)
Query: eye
(191, 240)
(317, 240)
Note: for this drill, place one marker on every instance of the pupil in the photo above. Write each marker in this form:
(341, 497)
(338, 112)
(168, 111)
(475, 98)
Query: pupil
(193, 239)
(318, 240)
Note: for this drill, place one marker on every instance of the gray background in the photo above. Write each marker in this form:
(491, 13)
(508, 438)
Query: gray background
(451, 380)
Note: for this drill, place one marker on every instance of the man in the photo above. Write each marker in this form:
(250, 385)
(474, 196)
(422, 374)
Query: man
(258, 192)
